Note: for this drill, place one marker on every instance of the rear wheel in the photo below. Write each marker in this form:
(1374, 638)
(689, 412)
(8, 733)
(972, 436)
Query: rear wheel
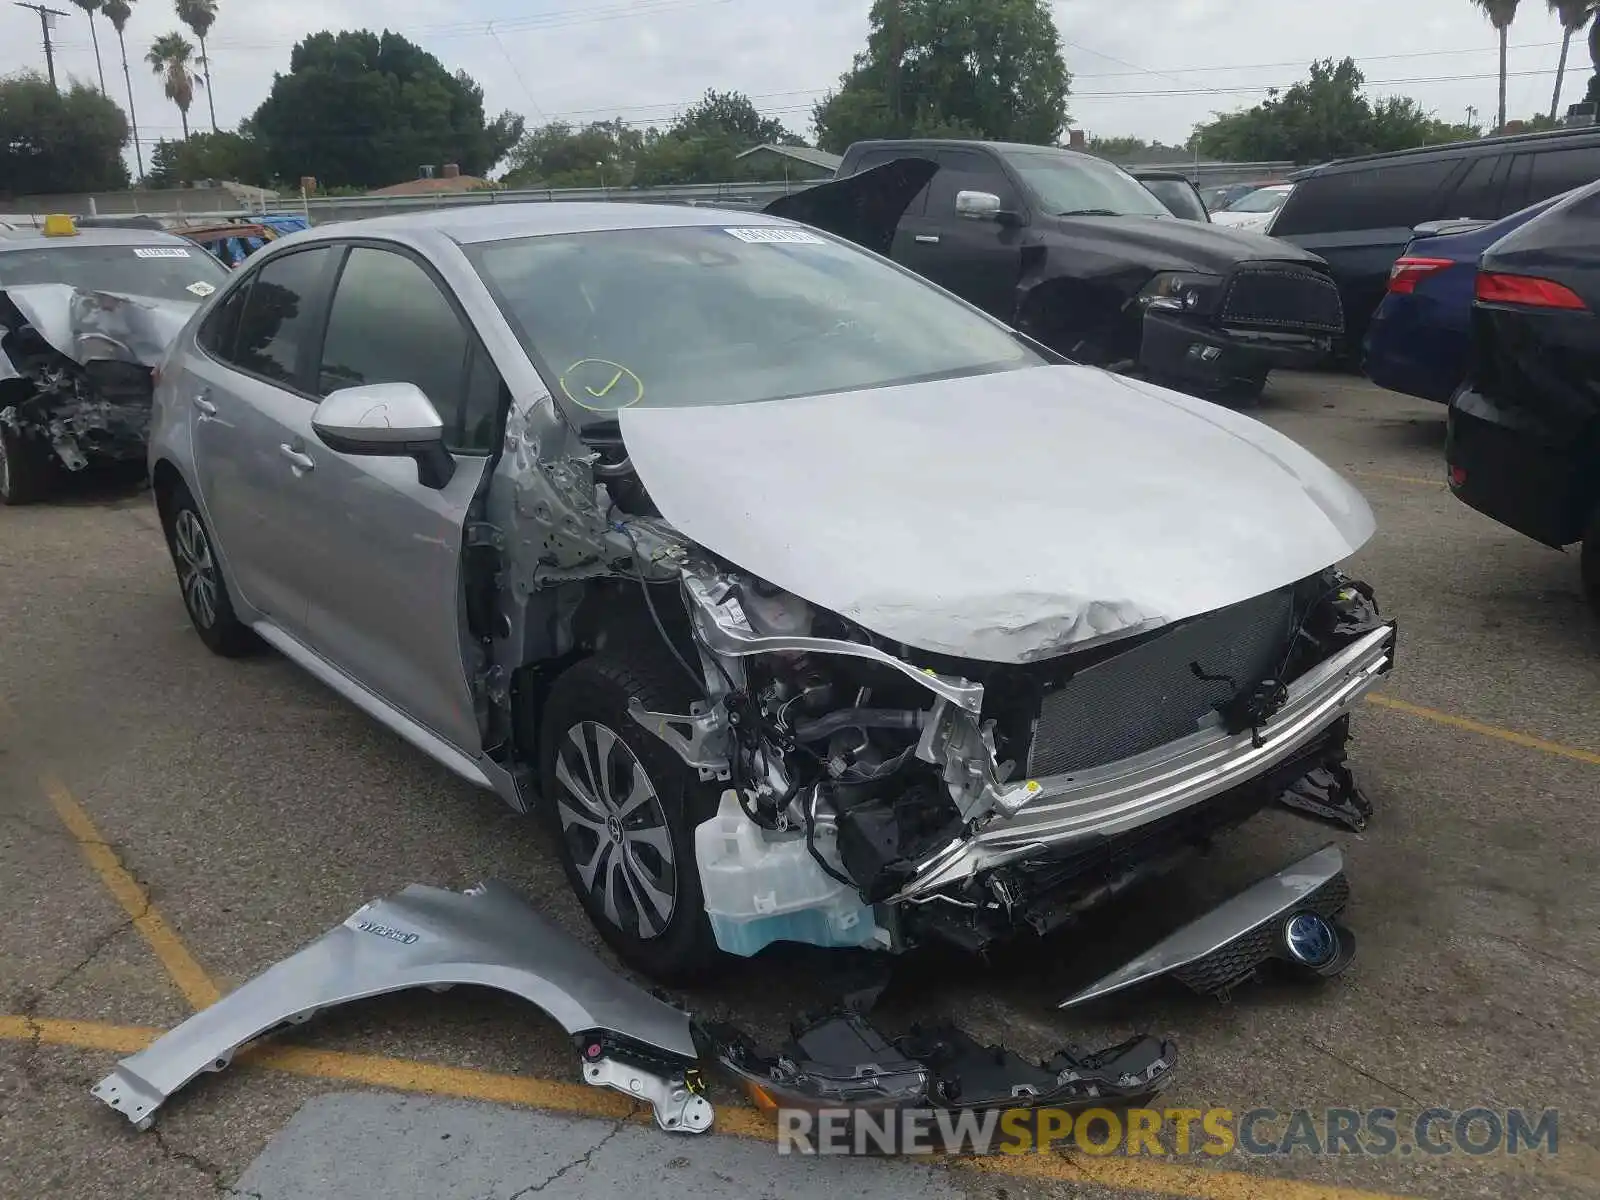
(24, 468)
(623, 807)
(205, 591)
(1590, 563)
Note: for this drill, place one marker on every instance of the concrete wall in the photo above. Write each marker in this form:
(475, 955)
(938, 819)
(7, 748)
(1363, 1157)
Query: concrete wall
(137, 200)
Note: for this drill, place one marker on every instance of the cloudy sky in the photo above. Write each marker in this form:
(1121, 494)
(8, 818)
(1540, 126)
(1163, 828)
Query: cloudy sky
(1151, 68)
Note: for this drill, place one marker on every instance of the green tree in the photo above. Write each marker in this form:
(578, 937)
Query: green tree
(90, 7)
(732, 115)
(231, 156)
(52, 141)
(983, 68)
(118, 12)
(1573, 15)
(1500, 13)
(601, 153)
(704, 143)
(1324, 117)
(199, 16)
(170, 56)
(364, 110)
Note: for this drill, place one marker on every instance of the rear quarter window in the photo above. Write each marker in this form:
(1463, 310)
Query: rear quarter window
(1376, 197)
(1551, 172)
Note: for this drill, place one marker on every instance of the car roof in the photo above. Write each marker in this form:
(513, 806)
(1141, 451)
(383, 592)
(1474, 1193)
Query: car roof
(971, 144)
(1484, 145)
(23, 239)
(499, 222)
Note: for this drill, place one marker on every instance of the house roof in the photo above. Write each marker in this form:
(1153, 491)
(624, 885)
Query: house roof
(423, 187)
(805, 154)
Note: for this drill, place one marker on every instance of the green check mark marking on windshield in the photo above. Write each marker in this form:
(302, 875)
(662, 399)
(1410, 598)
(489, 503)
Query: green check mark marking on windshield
(605, 389)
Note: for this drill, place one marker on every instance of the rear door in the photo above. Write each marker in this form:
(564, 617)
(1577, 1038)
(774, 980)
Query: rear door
(388, 606)
(1360, 220)
(978, 260)
(250, 415)
(1548, 171)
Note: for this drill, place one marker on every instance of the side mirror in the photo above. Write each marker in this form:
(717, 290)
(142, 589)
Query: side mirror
(390, 419)
(983, 206)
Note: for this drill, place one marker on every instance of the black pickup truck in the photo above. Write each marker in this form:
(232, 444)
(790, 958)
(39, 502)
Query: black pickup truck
(1075, 252)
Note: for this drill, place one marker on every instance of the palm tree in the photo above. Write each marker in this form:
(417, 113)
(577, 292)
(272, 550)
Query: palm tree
(1500, 13)
(170, 55)
(1574, 15)
(118, 12)
(199, 16)
(90, 7)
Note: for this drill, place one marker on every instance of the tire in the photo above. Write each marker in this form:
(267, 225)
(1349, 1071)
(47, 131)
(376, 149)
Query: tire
(200, 578)
(632, 869)
(1589, 564)
(1240, 391)
(25, 468)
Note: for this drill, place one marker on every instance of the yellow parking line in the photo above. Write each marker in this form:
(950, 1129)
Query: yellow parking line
(1143, 1175)
(1387, 478)
(188, 974)
(1489, 731)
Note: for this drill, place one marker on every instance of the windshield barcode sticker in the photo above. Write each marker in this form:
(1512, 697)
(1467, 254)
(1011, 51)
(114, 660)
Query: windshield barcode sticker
(161, 252)
(772, 233)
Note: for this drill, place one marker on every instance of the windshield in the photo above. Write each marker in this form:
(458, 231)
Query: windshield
(1266, 200)
(711, 315)
(1064, 183)
(1180, 199)
(165, 272)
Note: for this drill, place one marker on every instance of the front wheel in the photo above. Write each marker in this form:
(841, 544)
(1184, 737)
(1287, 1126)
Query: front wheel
(24, 468)
(623, 807)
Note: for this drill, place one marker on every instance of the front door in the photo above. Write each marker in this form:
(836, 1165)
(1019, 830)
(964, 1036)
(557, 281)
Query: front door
(388, 608)
(978, 260)
(251, 422)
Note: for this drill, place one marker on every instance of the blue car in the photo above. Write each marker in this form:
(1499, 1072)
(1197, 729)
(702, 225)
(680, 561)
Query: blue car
(1421, 335)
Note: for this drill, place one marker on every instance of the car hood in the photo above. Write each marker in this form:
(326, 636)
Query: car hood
(864, 208)
(1168, 244)
(1006, 517)
(87, 326)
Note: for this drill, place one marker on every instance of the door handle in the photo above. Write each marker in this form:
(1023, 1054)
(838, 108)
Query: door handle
(297, 459)
(207, 409)
(928, 239)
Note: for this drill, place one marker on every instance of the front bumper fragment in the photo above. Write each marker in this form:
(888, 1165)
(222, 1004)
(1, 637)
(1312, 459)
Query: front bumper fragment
(1226, 945)
(1075, 809)
(841, 1061)
(428, 937)
(1175, 346)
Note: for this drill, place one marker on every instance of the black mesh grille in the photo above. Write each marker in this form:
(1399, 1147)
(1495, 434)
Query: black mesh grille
(1151, 694)
(1238, 960)
(1283, 298)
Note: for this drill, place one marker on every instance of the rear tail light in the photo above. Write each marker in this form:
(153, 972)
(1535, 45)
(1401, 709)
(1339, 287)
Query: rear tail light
(1412, 269)
(1458, 476)
(1528, 291)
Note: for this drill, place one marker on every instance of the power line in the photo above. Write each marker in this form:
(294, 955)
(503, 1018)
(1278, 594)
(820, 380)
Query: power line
(44, 25)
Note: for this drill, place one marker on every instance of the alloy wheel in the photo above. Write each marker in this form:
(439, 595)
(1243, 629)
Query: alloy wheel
(616, 830)
(197, 569)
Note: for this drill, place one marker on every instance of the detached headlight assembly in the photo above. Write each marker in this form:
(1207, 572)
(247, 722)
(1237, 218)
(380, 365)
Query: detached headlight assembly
(1181, 291)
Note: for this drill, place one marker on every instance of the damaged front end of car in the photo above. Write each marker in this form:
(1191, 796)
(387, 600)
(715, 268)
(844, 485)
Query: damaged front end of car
(76, 374)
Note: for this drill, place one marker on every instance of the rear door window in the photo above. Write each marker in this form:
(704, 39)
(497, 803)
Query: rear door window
(1478, 193)
(1549, 172)
(278, 324)
(1376, 197)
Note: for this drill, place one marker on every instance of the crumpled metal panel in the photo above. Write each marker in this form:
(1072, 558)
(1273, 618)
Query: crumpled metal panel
(86, 326)
(1007, 517)
(423, 937)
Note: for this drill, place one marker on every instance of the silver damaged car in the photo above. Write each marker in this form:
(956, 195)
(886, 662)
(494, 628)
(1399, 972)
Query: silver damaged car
(804, 601)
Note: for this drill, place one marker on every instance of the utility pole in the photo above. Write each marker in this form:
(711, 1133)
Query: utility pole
(45, 13)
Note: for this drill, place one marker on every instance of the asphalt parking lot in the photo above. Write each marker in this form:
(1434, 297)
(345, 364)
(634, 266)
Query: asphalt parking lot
(172, 823)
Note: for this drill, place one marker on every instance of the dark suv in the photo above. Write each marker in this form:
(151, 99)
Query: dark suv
(1359, 213)
(1076, 252)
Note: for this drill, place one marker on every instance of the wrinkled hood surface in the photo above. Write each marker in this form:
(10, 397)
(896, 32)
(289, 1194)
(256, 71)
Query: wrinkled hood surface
(86, 326)
(1005, 517)
(1168, 244)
